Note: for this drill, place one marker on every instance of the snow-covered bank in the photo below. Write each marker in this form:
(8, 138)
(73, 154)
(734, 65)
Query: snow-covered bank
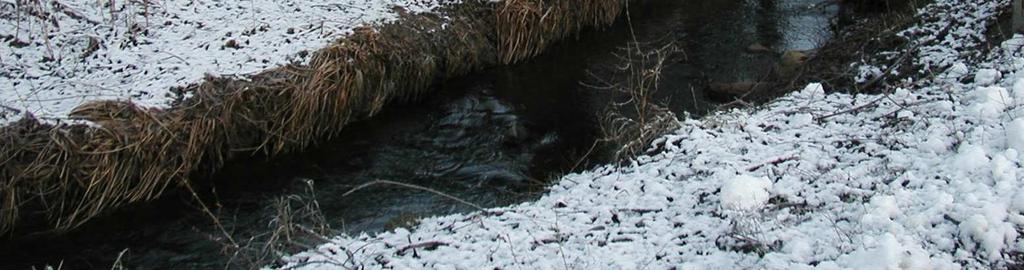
(57, 55)
(926, 177)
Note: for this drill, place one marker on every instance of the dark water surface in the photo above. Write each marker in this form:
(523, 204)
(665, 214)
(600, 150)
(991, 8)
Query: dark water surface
(493, 138)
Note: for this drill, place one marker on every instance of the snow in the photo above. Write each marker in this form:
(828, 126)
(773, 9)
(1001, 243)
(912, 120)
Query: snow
(958, 70)
(745, 193)
(1015, 134)
(970, 157)
(57, 55)
(867, 72)
(987, 77)
(926, 177)
(991, 101)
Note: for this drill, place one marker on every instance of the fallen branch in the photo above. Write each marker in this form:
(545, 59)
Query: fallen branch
(773, 162)
(850, 110)
(71, 13)
(428, 244)
(9, 108)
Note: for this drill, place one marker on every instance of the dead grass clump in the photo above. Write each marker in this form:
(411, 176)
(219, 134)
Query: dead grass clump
(526, 27)
(56, 177)
(71, 173)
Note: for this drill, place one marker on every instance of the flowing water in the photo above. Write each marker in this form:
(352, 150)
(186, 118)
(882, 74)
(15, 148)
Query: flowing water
(493, 138)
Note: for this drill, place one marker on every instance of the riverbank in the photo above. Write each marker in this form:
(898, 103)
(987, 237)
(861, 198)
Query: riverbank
(496, 137)
(59, 174)
(923, 176)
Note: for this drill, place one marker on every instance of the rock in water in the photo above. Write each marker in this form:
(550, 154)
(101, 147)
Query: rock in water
(793, 58)
(790, 62)
(758, 48)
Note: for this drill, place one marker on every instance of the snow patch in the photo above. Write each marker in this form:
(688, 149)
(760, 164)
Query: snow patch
(990, 101)
(986, 77)
(71, 52)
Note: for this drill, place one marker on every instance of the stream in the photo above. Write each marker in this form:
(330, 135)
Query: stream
(494, 138)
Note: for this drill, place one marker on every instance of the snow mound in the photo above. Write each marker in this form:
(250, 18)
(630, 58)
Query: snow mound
(745, 193)
(1015, 135)
(990, 101)
(986, 77)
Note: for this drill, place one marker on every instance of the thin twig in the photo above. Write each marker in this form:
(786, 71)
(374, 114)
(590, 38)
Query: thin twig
(442, 194)
(850, 110)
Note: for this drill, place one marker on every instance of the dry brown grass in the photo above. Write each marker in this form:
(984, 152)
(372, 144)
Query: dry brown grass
(57, 177)
(527, 27)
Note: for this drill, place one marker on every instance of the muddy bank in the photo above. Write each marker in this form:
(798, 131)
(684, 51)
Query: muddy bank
(59, 177)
